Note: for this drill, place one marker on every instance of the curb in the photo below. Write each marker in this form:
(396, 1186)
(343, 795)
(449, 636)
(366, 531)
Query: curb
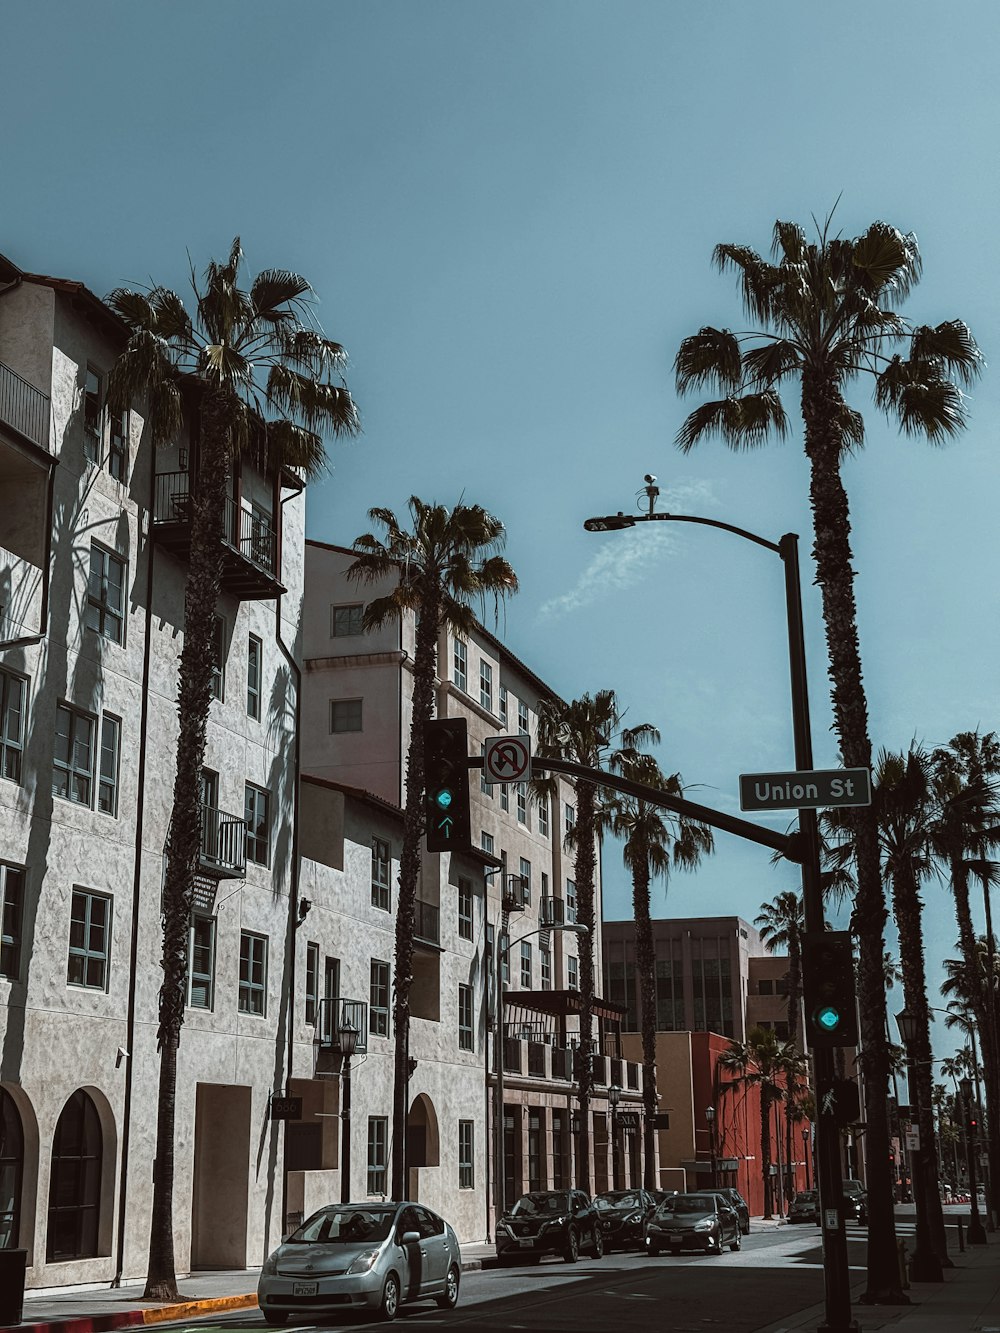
(159, 1314)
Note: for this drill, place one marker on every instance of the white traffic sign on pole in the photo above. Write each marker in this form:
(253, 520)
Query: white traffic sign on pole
(806, 789)
(507, 759)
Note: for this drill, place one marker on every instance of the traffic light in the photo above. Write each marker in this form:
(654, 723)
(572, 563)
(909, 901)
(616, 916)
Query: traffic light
(446, 784)
(829, 989)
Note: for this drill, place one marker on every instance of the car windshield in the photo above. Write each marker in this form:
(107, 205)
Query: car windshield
(618, 1199)
(689, 1203)
(541, 1205)
(344, 1226)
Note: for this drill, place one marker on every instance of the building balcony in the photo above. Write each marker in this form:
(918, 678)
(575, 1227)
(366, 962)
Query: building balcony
(223, 852)
(24, 409)
(533, 1058)
(250, 544)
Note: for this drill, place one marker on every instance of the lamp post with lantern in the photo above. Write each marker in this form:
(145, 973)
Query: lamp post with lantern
(710, 1121)
(348, 1035)
(805, 1154)
(614, 1096)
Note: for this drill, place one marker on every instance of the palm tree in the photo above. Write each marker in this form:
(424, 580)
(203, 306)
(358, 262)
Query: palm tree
(761, 1061)
(446, 561)
(265, 386)
(655, 842)
(578, 732)
(781, 923)
(824, 317)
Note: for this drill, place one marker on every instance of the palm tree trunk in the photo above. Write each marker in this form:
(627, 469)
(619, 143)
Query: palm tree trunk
(821, 405)
(194, 696)
(425, 660)
(585, 865)
(645, 955)
(765, 1149)
(991, 1057)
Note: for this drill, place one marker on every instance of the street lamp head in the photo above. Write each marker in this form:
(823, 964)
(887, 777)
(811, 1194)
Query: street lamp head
(614, 1095)
(710, 1114)
(573, 928)
(965, 1085)
(609, 523)
(348, 1035)
(909, 1026)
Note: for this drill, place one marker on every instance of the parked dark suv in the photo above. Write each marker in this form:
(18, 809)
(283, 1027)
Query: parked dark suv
(623, 1216)
(739, 1205)
(549, 1222)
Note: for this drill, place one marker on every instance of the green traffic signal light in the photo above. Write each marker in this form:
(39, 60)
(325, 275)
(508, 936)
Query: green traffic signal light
(828, 1018)
(443, 799)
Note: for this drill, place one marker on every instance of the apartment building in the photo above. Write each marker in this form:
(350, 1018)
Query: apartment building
(94, 530)
(512, 891)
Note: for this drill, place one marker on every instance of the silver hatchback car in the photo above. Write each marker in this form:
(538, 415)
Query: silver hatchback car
(371, 1255)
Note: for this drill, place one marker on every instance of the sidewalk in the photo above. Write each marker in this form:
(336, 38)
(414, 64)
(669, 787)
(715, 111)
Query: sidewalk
(968, 1301)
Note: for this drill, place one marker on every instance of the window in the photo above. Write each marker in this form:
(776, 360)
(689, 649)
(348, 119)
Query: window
(525, 965)
(461, 662)
(257, 812)
(11, 725)
(89, 940)
(73, 760)
(485, 787)
(503, 704)
(312, 981)
(201, 962)
(378, 1142)
(107, 786)
(572, 973)
(465, 1034)
(464, 909)
(522, 718)
(93, 401)
(570, 820)
(11, 1166)
(525, 872)
(255, 661)
(486, 685)
(379, 998)
(345, 715)
(331, 978)
(545, 961)
(106, 594)
(253, 974)
(11, 909)
(486, 841)
(505, 958)
(544, 892)
(345, 621)
(75, 1181)
(570, 900)
(381, 865)
(505, 796)
(543, 816)
(219, 658)
(466, 1172)
(118, 445)
(522, 803)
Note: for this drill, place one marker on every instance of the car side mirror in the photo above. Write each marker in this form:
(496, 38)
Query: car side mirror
(409, 1238)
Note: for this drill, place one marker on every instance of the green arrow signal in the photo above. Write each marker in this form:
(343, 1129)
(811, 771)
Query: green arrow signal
(445, 825)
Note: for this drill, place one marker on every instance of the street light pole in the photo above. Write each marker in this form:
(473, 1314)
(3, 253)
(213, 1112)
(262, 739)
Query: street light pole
(614, 1093)
(925, 1266)
(977, 1233)
(805, 1154)
(710, 1118)
(828, 1165)
(348, 1035)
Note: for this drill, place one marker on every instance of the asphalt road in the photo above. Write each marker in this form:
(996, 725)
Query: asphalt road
(777, 1272)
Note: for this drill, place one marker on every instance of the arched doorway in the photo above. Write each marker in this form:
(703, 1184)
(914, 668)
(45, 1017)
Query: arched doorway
(11, 1171)
(75, 1185)
(423, 1146)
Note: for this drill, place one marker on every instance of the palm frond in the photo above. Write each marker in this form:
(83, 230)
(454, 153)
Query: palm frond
(133, 307)
(274, 288)
(950, 345)
(289, 445)
(318, 405)
(771, 362)
(886, 261)
(789, 242)
(923, 401)
(742, 422)
(759, 281)
(709, 357)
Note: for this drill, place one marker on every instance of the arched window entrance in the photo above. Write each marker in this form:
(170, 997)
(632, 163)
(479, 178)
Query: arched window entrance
(75, 1187)
(11, 1169)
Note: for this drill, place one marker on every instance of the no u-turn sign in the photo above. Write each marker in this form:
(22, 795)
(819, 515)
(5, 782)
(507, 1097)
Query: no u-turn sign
(507, 759)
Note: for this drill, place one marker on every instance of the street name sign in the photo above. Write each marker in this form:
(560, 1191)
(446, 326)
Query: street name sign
(813, 788)
(507, 759)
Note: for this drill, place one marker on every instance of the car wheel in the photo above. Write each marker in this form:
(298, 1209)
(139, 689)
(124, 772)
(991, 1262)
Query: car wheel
(654, 1250)
(273, 1318)
(598, 1246)
(737, 1243)
(745, 1228)
(389, 1303)
(449, 1297)
(572, 1250)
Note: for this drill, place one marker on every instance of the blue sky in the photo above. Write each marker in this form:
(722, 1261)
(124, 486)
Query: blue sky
(508, 212)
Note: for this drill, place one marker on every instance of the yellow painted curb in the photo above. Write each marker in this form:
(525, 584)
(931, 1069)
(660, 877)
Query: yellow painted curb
(192, 1309)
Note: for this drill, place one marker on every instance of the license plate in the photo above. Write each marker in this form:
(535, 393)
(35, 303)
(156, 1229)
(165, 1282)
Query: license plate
(305, 1288)
(526, 1243)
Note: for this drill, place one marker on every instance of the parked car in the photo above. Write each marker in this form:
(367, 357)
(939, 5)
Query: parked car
(742, 1208)
(375, 1255)
(550, 1222)
(804, 1207)
(695, 1221)
(623, 1216)
(856, 1207)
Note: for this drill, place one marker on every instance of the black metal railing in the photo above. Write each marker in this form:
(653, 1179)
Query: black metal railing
(23, 407)
(536, 1059)
(512, 1055)
(223, 841)
(334, 1016)
(172, 497)
(562, 1063)
(253, 537)
(426, 922)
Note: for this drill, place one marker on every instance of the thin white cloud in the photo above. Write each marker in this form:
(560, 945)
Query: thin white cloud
(622, 561)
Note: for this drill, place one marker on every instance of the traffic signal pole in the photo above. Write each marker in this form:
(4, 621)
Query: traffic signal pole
(829, 1178)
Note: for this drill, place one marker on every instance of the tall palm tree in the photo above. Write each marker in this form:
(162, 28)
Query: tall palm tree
(579, 731)
(267, 386)
(781, 923)
(445, 561)
(824, 317)
(761, 1062)
(655, 842)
